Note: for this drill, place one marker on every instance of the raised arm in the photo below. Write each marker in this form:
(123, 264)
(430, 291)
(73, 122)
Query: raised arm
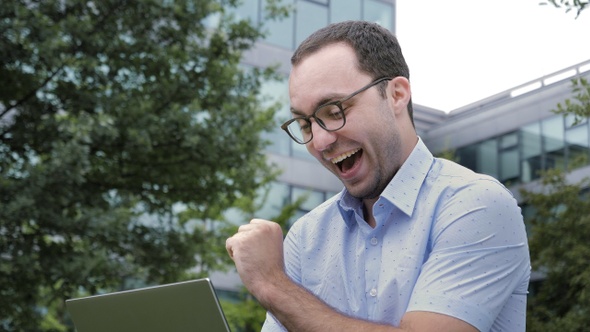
(257, 250)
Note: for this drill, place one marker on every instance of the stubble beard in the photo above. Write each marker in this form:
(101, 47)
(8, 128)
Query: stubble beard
(381, 178)
(373, 190)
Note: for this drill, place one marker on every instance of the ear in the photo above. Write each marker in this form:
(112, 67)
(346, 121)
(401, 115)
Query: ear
(399, 93)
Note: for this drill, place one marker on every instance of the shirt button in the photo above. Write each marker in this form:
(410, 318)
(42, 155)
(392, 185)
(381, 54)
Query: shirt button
(374, 241)
(373, 292)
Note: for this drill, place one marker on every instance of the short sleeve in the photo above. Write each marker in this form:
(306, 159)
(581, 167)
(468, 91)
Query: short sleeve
(271, 324)
(479, 257)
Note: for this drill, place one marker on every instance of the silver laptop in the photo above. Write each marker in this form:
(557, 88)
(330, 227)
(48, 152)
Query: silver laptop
(184, 306)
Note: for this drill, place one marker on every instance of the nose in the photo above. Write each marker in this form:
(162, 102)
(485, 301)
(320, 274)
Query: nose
(322, 139)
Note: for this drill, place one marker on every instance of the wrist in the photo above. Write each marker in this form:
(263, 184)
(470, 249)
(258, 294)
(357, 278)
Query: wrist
(274, 289)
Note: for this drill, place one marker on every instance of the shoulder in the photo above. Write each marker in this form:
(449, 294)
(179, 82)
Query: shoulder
(445, 168)
(461, 194)
(454, 178)
(318, 218)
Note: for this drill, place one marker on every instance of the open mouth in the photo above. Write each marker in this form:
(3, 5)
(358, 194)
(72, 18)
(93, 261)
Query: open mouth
(346, 161)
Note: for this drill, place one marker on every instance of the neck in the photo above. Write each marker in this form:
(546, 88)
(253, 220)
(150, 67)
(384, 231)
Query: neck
(368, 211)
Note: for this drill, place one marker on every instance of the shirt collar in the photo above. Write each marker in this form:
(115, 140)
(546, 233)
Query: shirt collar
(402, 191)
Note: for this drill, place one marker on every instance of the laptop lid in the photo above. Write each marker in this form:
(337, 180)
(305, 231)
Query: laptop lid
(184, 306)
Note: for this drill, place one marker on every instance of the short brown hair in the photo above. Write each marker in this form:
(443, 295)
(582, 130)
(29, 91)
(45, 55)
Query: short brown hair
(377, 49)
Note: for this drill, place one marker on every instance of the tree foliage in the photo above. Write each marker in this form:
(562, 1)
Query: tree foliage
(560, 229)
(246, 315)
(579, 108)
(559, 233)
(126, 127)
(577, 5)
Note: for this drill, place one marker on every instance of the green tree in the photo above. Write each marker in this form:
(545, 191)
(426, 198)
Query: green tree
(247, 315)
(126, 128)
(569, 5)
(560, 229)
(579, 107)
(559, 232)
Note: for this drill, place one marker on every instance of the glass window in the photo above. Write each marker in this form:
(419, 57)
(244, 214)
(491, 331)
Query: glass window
(509, 140)
(509, 172)
(467, 156)
(312, 198)
(577, 136)
(530, 137)
(480, 157)
(247, 10)
(280, 32)
(553, 142)
(571, 121)
(310, 17)
(275, 197)
(300, 151)
(578, 147)
(553, 133)
(509, 160)
(379, 12)
(276, 92)
(343, 10)
(487, 157)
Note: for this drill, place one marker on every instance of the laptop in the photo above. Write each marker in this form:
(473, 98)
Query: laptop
(178, 307)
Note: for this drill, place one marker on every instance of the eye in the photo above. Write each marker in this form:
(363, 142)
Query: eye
(330, 113)
(304, 125)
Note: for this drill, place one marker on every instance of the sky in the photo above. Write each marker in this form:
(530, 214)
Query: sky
(462, 51)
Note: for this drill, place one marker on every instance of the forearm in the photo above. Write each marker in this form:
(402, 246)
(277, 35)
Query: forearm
(257, 250)
(299, 310)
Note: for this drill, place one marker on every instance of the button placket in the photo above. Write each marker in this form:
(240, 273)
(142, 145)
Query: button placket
(373, 292)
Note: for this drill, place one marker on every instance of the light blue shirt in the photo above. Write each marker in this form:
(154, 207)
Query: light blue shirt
(447, 240)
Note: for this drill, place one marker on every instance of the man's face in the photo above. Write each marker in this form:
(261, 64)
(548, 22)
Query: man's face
(367, 152)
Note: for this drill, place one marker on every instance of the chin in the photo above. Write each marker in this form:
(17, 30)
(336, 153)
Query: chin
(371, 192)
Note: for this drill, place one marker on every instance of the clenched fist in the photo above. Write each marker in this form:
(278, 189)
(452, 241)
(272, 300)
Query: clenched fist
(257, 251)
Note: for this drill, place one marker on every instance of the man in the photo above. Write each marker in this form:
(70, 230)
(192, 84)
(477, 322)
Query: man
(413, 242)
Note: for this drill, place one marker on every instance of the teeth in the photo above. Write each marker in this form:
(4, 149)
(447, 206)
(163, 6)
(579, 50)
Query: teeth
(344, 156)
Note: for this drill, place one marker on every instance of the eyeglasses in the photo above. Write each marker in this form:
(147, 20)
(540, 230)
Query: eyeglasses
(329, 116)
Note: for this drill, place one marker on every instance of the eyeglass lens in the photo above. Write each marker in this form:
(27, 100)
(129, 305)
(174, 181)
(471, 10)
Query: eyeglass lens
(330, 117)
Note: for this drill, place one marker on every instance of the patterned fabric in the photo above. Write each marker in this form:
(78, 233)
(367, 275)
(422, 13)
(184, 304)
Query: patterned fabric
(447, 240)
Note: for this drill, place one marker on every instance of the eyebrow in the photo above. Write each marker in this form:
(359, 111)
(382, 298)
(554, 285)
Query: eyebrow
(296, 112)
(334, 97)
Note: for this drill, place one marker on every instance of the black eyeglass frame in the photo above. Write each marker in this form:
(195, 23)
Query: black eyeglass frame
(337, 103)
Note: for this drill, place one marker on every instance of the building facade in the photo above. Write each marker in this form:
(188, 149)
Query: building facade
(301, 174)
(511, 135)
(515, 134)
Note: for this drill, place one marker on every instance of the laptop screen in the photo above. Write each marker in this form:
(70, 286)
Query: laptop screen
(184, 306)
